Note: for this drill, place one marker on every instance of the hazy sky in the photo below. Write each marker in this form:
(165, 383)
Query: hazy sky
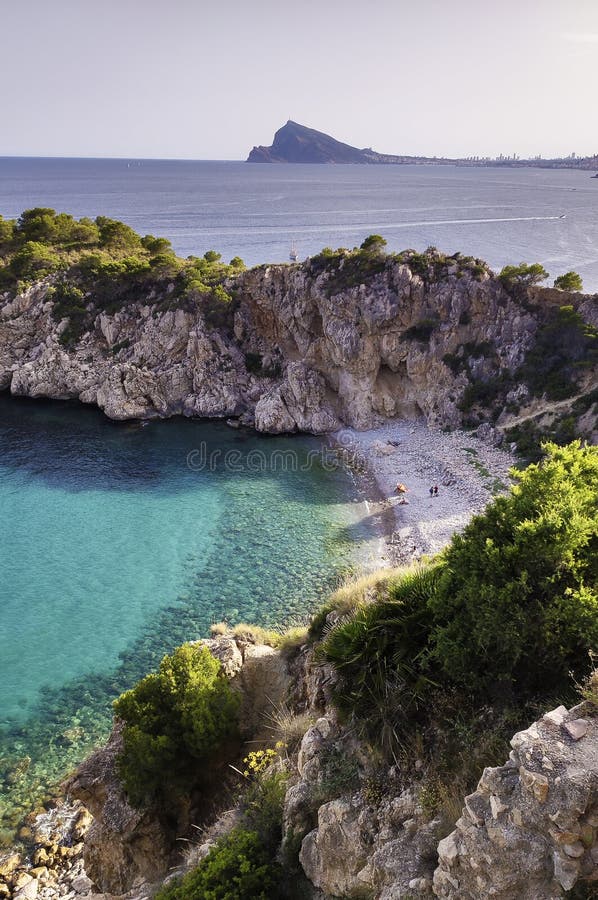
(207, 80)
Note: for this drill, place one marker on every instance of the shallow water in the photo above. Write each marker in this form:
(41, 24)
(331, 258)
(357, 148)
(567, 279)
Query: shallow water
(121, 541)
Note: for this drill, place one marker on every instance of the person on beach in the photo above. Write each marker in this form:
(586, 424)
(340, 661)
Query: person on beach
(401, 489)
(431, 492)
(435, 490)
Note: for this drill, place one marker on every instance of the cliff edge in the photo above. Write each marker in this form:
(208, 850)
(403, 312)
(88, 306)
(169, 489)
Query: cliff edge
(346, 338)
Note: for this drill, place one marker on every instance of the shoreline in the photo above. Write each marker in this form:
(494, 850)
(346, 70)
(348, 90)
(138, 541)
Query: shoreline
(467, 471)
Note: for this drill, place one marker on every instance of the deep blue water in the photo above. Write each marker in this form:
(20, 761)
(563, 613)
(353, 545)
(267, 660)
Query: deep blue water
(257, 211)
(121, 541)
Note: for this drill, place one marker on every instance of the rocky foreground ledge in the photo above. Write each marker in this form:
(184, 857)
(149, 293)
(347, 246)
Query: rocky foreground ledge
(308, 347)
(528, 832)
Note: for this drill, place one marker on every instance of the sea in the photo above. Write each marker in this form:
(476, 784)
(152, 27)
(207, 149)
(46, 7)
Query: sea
(121, 540)
(258, 211)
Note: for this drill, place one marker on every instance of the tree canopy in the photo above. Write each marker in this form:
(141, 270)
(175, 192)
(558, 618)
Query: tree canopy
(175, 720)
(524, 274)
(570, 281)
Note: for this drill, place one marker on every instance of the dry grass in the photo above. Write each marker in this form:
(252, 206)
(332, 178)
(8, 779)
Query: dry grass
(255, 634)
(374, 585)
(354, 592)
(589, 689)
(288, 727)
(288, 641)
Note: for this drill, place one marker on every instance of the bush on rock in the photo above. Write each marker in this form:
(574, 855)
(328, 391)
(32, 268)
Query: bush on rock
(176, 721)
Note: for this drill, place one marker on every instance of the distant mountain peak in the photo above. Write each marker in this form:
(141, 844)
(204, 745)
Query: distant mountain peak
(296, 143)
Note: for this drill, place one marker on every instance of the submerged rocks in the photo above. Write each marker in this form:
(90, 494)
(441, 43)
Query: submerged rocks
(52, 865)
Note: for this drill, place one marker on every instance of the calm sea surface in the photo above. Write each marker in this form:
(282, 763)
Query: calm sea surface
(119, 542)
(257, 211)
(113, 548)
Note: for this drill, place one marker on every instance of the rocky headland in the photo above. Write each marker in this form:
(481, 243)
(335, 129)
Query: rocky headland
(346, 338)
(295, 143)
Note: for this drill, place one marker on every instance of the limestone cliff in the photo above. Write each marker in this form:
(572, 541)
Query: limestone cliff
(360, 827)
(528, 831)
(341, 339)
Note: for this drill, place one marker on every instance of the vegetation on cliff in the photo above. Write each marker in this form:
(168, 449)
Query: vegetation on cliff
(435, 667)
(243, 864)
(176, 723)
(102, 265)
(505, 615)
(407, 305)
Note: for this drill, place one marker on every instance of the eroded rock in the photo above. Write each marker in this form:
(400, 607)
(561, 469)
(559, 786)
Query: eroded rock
(529, 830)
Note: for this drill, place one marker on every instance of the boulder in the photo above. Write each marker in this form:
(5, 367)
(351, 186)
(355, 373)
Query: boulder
(529, 830)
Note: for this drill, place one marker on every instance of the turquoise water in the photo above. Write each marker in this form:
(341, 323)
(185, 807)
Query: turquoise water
(121, 541)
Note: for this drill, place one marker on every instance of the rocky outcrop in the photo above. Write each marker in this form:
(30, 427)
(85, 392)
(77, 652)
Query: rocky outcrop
(294, 143)
(313, 347)
(357, 837)
(530, 829)
(378, 347)
(126, 847)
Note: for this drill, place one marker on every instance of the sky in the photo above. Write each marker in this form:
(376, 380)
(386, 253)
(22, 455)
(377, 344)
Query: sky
(194, 79)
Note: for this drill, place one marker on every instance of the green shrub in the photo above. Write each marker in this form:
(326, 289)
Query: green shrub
(380, 652)
(516, 609)
(34, 260)
(156, 245)
(564, 346)
(480, 392)
(70, 303)
(238, 867)
(570, 281)
(7, 228)
(116, 235)
(524, 274)
(263, 800)
(375, 243)
(176, 721)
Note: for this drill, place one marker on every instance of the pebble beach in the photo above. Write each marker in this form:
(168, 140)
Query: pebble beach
(467, 472)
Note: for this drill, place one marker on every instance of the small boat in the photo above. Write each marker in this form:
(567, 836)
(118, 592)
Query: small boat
(294, 254)
(563, 216)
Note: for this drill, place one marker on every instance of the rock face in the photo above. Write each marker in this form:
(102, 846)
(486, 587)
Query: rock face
(362, 344)
(367, 841)
(529, 830)
(332, 349)
(126, 847)
(294, 143)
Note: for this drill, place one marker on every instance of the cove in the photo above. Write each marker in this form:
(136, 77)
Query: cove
(120, 541)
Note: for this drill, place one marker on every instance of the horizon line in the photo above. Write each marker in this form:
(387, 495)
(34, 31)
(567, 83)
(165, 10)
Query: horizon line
(472, 158)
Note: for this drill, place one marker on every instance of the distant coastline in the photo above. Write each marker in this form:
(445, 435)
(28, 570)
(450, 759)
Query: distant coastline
(295, 143)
